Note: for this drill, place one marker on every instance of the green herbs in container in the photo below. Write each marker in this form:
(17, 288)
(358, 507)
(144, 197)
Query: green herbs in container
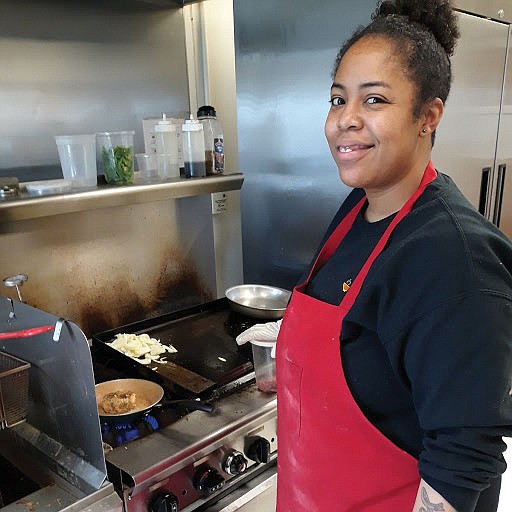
(115, 156)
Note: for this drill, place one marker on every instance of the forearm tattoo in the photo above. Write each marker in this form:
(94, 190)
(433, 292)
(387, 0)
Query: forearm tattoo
(431, 507)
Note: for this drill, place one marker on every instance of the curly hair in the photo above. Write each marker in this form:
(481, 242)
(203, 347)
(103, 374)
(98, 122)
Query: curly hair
(424, 33)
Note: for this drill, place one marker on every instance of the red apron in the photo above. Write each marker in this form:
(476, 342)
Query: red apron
(330, 457)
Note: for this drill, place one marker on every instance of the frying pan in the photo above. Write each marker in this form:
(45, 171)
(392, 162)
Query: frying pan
(148, 395)
(258, 300)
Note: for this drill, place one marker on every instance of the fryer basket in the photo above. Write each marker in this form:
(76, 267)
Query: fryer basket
(13, 390)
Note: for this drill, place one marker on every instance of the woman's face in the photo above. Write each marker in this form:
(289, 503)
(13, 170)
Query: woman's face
(373, 136)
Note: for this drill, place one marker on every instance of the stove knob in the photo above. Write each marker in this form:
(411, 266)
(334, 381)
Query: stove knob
(235, 463)
(258, 449)
(207, 480)
(164, 502)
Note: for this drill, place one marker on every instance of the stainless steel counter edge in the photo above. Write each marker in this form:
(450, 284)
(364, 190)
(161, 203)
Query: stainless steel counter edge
(105, 196)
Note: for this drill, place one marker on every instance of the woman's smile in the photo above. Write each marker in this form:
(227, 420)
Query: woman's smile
(350, 151)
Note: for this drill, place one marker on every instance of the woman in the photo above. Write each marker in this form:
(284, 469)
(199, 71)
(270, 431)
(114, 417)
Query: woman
(394, 357)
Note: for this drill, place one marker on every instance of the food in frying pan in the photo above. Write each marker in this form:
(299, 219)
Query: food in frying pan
(119, 402)
(142, 347)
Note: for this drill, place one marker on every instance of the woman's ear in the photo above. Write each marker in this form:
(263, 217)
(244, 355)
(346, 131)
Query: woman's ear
(432, 115)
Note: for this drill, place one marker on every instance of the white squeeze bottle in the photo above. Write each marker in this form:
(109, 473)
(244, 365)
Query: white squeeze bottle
(213, 140)
(193, 148)
(166, 142)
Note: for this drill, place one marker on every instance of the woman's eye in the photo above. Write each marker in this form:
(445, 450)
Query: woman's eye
(374, 100)
(337, 101)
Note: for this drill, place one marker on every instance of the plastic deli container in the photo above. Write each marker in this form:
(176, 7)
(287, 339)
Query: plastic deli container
(114, 153)
(77, 154)
(146, 164)
(264, 365)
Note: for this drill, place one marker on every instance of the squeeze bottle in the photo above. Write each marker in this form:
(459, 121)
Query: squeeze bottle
(193, 148)
(166, 142)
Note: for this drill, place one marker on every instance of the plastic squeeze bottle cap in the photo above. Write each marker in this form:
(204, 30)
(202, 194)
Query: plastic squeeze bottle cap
(164, 125)
(192, 125)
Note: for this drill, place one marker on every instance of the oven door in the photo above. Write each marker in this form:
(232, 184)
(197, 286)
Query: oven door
(256, 495)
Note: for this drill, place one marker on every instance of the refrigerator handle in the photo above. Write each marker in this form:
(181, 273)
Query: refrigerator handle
(500, 186)
(484, 188)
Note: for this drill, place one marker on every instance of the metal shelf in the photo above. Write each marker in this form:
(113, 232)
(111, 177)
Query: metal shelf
(25, 206)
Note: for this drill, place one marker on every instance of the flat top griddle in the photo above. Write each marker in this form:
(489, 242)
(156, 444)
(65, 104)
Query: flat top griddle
(207, 357)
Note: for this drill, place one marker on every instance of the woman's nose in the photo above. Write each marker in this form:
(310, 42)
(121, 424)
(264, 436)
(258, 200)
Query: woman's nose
(349, 118)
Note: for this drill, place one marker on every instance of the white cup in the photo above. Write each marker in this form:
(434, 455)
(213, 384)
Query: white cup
(77, 154)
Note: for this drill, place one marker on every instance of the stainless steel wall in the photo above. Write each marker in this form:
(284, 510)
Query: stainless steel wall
(108, 267)
(82, 67)
(284, 55)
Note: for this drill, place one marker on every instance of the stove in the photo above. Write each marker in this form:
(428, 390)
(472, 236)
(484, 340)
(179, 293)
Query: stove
(173, 458)
(180, 460)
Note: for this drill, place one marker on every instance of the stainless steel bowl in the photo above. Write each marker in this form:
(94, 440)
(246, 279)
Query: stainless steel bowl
(258, 301)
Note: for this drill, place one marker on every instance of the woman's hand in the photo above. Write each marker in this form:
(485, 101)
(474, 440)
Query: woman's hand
(260, 332)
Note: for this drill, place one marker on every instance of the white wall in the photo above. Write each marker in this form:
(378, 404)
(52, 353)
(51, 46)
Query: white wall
(506, 485)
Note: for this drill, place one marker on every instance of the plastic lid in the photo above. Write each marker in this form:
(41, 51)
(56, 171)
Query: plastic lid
(206, 111)
(75, 139)
(192, 125)
(164, 125)
(48, 186)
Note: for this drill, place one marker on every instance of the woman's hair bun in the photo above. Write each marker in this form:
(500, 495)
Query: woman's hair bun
(437, 16)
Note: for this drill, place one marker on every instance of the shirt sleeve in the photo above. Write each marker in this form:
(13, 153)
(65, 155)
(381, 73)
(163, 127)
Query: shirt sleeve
(457, 361)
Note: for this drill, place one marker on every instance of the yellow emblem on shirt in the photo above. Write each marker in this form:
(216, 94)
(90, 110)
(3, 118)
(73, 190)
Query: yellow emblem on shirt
(346, 285)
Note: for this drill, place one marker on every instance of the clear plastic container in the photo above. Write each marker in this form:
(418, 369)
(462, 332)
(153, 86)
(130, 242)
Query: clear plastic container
(213, 140)
(264, 365)
(146, 164)
(115, 156)
(193, 148)
(77, 154)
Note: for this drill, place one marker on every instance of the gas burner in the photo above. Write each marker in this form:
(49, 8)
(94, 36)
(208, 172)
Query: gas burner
(118, 434)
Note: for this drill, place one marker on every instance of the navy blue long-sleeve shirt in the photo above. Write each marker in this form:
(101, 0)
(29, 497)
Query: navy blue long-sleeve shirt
(427, 346)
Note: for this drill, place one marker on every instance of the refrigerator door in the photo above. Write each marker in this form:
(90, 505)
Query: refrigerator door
(502, 197)
(465, 144)
(495, 9)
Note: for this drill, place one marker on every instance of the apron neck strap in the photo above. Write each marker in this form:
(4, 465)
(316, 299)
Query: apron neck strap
(343, 228)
